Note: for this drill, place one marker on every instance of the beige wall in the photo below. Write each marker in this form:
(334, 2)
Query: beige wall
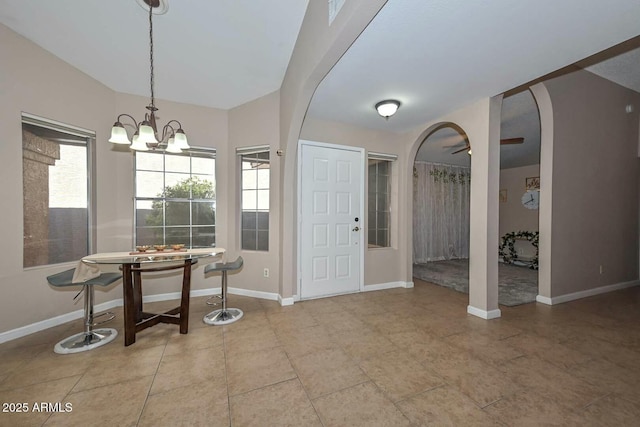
(254, 123)
(513, 215)
(381, 265)
(318, 48)
(36, 82)
(595, 186)
(594, 169)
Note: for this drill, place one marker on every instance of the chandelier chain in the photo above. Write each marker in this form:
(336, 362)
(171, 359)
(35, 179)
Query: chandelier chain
(151, 52)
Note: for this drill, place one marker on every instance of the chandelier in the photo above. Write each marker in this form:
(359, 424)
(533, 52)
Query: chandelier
(146, 137)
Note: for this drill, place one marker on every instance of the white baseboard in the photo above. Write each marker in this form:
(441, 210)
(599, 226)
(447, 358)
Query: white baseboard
(586, 293)
(286, 301)
(388, 285)
(544, 300)
(367, 288)
(54, 321)
(118, 302)
(487, 315)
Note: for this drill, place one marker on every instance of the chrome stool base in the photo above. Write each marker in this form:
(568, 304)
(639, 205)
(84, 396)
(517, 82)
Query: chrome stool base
(83, 342)
(223, 317)
(214, 297)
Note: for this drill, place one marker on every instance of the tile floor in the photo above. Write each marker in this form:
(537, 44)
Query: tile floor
(386, 358)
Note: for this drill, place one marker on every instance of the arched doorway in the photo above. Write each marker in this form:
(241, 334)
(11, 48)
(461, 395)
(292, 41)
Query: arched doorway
(441, 210)
(519, 200)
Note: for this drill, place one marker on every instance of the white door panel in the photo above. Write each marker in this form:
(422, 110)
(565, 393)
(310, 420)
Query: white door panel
(331, 217)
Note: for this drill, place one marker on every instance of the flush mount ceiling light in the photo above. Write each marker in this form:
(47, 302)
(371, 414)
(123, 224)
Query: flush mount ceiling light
(146, 137)
(387, 108)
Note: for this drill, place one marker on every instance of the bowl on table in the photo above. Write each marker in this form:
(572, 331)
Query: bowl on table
(142, 248)
(177, 246)
(160, 247)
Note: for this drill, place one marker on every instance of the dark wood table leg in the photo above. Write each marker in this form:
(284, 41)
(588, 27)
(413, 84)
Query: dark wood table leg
(129, 306)
(137, 292)
(184, 304)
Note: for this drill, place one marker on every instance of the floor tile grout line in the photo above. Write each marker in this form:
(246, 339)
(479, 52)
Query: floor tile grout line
(304, 388)
(555, 341)
(226, 374)
(146, 399)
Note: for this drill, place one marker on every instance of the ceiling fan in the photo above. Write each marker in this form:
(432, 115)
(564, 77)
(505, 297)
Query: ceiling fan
(505, 141)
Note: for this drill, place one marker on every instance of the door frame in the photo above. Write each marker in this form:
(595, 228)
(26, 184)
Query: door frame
(363, 194)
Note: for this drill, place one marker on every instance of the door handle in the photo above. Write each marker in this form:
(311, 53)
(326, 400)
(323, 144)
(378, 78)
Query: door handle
(356, 228)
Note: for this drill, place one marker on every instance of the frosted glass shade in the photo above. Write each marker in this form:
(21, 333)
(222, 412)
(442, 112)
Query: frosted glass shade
(172, 147)
(181, 140)
(147, 135)
(138, 145)
(119, 135)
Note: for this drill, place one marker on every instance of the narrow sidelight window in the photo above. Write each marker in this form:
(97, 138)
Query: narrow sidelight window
(255, 178)
(379, 200)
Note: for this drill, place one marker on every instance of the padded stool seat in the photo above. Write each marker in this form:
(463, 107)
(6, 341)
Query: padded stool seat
(90, 338)
(224, 315)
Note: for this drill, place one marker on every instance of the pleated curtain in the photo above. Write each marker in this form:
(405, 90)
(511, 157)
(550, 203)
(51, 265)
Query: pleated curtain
(440, 212)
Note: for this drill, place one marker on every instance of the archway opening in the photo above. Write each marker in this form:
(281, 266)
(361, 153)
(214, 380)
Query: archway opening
(441, 208)
(519, 200)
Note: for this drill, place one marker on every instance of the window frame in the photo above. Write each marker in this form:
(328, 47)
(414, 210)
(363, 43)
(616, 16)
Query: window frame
(201, 152)
(390, 159)
(89, 137)
(241, 152)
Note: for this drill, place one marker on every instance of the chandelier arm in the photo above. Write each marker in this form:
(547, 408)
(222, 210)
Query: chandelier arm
(131, 117)
(174, 120)
(164, 129)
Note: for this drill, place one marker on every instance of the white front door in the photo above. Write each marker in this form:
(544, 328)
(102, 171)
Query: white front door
(331, 179)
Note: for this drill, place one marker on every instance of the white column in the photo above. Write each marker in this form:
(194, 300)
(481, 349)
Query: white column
(545, 109)
(485, 182)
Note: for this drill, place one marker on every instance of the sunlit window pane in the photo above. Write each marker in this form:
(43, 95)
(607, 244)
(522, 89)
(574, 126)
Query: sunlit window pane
(178, 164)
(379, 204)
(149, 161)
(255, 201)
(249, 179)
(176, 205)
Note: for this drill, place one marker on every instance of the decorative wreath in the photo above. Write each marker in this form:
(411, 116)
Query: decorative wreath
(508, 252)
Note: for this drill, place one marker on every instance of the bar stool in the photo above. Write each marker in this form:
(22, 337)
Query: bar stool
(90, 338)
(224, 315)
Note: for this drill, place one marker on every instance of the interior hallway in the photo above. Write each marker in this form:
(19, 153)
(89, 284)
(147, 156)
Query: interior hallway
(395, 357)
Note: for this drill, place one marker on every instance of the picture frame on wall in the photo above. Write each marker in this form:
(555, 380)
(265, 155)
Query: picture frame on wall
(532, 183)
(503, 195)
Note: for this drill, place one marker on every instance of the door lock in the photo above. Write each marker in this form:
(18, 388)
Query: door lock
(356, 228)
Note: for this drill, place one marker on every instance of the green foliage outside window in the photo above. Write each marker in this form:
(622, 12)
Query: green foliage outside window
(189, 202)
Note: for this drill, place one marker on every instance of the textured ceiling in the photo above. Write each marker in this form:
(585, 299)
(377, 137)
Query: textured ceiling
(623, 69)
(211, 53)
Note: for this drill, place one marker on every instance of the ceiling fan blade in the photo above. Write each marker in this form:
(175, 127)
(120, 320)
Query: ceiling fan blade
(461, 150)
(505, 141)
(512, 141)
